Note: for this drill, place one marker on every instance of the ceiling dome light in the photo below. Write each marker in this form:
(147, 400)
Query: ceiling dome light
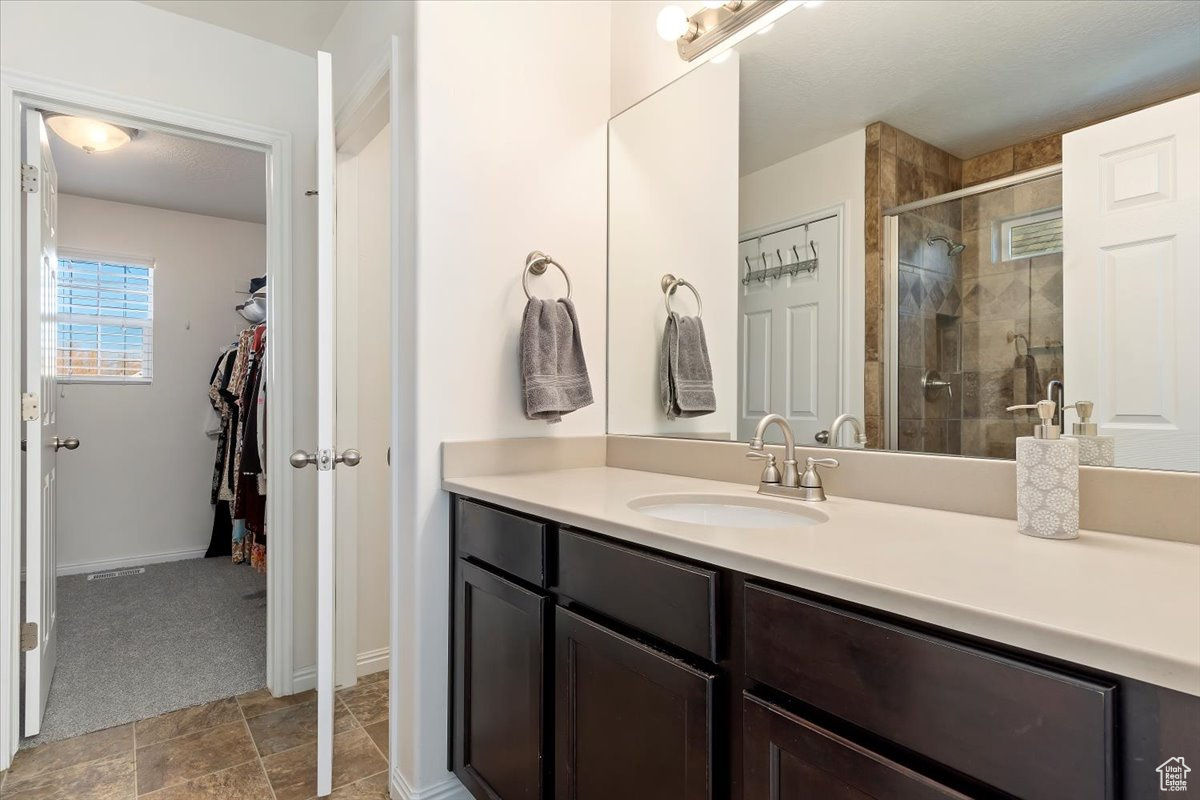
(89, 135)
(672, 23)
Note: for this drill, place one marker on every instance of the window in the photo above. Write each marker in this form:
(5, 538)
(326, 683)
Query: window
(105, 319)
(1033, 235)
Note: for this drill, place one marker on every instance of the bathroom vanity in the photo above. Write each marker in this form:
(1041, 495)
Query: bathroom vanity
(599, 652)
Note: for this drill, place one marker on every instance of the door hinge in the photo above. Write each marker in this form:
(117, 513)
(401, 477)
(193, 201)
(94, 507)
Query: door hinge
(30, 410)
(29, 637)
(29, 178)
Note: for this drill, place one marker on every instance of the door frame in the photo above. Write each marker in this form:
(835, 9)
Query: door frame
(18, 91)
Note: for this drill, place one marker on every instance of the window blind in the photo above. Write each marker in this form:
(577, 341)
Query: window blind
(105, 325)
(1036, 236)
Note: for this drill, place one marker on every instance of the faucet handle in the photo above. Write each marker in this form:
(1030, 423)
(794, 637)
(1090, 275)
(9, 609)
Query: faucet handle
(770, 472)
(833, 463)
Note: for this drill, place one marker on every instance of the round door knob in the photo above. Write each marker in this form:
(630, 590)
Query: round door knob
(349, 457)
(301, 459)
(70, 443)
(822, 437)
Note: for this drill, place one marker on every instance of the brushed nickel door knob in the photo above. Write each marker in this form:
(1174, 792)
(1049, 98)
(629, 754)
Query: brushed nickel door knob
(70, 443)
(350, 458)
(301, 459)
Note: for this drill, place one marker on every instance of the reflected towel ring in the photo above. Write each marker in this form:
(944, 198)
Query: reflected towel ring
(670, 283)
(536, 263)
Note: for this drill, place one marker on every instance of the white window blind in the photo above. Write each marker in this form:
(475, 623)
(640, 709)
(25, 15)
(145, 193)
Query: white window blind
(105, 319)
(1034, 235)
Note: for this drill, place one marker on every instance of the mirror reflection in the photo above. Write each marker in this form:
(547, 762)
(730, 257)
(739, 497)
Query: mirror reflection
(892, 250)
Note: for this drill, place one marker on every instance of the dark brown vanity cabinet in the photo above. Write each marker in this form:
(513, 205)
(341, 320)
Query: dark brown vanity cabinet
(585, 668)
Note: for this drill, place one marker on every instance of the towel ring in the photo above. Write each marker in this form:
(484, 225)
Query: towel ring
(670, 283)
(536, 263)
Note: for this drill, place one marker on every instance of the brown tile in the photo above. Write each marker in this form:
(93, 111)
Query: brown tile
(887, 180)
(379, 735)
(293, 773)
(1038, 153)
(908, 182)
(911, 149)
(261, 701)
(873, 279)
(936, 161)
(873, 132)
(102, 779)
(367, 701)
(874, 335)
(381, 675)
(292, 727)
(1039, 195)
(69, 752)
(372, 788)
(243, 782)
(955, 171)
(887, 138)
(910, 342)
(192, 755)
(995, 164)
(933, 184)
(874, 426)
(187, 720)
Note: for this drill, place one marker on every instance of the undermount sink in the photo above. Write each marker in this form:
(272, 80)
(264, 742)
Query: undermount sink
(728, 511)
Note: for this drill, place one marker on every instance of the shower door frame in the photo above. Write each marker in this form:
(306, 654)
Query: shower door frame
(891, 281)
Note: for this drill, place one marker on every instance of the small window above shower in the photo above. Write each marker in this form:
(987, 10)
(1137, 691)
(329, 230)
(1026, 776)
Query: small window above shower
(1032, 235)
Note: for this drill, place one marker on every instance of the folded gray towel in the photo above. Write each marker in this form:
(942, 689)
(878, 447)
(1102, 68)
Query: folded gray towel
(684, 371)
(553, 373)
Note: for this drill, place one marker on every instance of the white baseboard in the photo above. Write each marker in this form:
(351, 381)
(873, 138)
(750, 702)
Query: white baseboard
(304, 679)
(449, 789)
(373, 661)
(80, 567)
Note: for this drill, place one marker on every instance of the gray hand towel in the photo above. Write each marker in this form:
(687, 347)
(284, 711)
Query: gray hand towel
(684, 371)
(553, 373)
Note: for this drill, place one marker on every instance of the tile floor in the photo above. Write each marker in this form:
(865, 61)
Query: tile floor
(249, 747)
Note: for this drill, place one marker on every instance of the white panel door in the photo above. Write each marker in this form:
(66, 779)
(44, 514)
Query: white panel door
(788, 339)
(41, 434)
(1131, 281)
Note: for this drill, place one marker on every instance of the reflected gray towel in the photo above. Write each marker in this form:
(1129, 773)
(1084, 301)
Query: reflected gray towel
(553, 373)
(684, 371)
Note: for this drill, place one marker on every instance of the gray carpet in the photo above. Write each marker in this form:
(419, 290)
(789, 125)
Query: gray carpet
(133, 647)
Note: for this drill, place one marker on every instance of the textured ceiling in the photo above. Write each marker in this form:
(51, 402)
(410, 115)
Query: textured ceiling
(171, 172)
(299, 25)
(968, 77)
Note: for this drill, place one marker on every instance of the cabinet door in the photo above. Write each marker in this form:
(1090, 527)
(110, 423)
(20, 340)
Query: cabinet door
(499, 735)
(631, 721)
(786, 757)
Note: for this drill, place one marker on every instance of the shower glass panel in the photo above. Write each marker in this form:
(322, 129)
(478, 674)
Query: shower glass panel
(978, 316)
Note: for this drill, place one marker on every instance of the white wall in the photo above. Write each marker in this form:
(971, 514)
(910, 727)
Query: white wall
(830, 175)
(134, 50)
(509, 148)
(137, 489)
(673, 207)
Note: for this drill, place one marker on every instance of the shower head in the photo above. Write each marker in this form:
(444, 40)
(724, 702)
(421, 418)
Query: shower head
(953, 248)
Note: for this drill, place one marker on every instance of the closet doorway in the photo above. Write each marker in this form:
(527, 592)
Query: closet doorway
(156, 255)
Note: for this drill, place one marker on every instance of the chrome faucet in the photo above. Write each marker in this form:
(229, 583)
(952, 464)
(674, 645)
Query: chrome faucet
(860, 436)
(790, 483)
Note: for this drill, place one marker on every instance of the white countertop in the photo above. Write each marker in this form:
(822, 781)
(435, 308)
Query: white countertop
(1123, 604)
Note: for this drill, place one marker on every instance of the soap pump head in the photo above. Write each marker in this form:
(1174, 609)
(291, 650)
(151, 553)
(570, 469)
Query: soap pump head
(1085, 426)
(1045, 410)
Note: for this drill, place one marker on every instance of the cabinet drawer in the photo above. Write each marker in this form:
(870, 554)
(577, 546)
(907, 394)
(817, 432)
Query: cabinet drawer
(1035, 733)
(508, 542)
(786, 757)
(673, 601)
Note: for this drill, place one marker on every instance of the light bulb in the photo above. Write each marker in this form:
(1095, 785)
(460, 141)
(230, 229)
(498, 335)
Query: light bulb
(672, 23)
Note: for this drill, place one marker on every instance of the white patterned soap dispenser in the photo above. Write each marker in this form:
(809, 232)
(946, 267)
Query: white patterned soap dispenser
(1094, 450)
(1047, 479)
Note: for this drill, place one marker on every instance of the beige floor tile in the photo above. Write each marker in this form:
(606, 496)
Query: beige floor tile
(69, 752)
(243, 782)
(367, 701)
(295, 726)
(379, 735)
(190, 756)
(187, 720)
(293, 773)
(372, 788)
(103, 779)
(373, 677)
(261, 702)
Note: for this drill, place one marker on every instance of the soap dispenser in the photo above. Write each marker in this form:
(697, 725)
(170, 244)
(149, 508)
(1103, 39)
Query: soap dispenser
(1094, 450)
(1047, 479)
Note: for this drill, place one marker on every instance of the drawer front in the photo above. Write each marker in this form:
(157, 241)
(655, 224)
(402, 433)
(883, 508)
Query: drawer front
(786, 757)
(673, 601)
(509, 542)
(1034, 733)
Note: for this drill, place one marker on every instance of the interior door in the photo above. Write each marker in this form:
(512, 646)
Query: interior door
(788, 339)
(38, 640)
(1131, 281)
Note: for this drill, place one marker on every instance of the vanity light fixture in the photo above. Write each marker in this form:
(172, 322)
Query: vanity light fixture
(718, 24)
(89, 135)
